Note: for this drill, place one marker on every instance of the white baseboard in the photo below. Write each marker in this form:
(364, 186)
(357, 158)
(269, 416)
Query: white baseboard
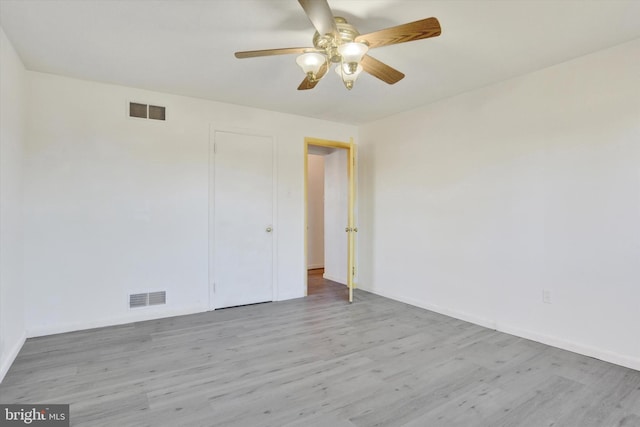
(334, 279)
(438, 309)
(315, 266)
(605, 355)
(137, 315)
(290, 295)
(11, 356)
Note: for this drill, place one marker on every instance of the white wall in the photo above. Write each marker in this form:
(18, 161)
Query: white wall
(475, 205)
(115, 205)
(13, 95)
(315, 212)
(336, 196)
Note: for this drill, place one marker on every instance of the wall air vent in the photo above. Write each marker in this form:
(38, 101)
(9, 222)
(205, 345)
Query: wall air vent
(137, 110)
(146, 299)
(144, 111)
(156, 112)
(138, 300)
(156, 298)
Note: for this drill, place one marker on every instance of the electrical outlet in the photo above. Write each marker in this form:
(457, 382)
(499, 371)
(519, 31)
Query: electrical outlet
(546, 296)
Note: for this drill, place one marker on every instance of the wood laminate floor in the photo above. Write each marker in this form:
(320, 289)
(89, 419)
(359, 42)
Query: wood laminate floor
(319, 361)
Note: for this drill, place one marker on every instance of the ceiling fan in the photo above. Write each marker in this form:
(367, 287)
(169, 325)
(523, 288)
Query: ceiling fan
(338, 42)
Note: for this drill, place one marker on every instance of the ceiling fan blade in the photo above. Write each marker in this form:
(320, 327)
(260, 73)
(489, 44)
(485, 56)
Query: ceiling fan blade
(418, 30)
(381, 70)
(320, 15)
(308, 83)
(271, 52)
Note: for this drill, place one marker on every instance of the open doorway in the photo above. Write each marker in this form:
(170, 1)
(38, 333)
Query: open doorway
(329, 203)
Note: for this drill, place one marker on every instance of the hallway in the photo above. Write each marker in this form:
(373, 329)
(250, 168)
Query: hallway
(321, 288)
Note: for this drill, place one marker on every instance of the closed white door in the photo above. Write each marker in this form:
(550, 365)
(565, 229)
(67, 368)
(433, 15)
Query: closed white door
(242, 219)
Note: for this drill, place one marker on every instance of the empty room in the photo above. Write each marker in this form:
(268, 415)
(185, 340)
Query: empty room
(320, 213)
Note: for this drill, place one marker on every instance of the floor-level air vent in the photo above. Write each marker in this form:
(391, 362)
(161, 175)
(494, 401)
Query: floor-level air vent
(156, 298)
(149, 298)
(144, 111)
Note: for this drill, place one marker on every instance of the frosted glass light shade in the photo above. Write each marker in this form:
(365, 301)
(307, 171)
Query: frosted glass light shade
(310, 62)
(352, 52)
(348, 79)
(341, 70)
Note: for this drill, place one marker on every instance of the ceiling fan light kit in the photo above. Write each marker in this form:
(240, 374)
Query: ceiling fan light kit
(348, 58)
(338, 42)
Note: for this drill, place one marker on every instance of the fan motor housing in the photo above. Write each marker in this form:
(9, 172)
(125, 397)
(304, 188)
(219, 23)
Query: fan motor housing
(347, 33)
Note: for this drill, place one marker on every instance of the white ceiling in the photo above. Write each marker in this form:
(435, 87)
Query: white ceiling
(186, 47)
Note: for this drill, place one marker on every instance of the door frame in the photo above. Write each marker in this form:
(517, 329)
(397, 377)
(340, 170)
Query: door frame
(211, 207)
(351, 170)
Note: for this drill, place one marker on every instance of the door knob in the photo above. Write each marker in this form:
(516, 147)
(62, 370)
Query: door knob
(269, 229)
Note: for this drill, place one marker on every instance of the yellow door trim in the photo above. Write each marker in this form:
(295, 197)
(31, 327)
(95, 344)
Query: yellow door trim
(350, 147)
(351, 266)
